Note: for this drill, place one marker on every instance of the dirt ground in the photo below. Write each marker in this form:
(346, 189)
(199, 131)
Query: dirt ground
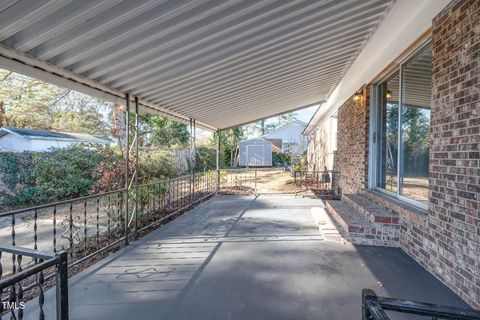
(274, 181)
(280, 181)
(413, 187)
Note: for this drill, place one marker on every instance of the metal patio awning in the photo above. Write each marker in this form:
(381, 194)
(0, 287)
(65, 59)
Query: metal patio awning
(223, 63)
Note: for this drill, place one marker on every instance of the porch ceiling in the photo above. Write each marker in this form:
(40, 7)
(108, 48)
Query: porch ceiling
(220, 62)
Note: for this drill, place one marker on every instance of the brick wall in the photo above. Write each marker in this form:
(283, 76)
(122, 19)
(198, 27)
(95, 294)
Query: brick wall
(453, 242)
(351, 157)
(446, 240)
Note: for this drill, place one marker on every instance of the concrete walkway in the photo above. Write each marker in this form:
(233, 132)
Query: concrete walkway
(239, 257)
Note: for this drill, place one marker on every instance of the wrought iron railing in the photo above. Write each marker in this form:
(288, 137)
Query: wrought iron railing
(252, 181)
(28, 274)
(89, 225)
(374, 308)
(84, 226)
(320, 182)
(160, 200)
(238, 181)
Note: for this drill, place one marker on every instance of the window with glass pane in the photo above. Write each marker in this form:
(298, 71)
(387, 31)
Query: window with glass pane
(403, 128)
(388, 133)
(415, 126)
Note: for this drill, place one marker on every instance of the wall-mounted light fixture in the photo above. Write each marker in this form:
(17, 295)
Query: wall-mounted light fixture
(357, 96)
(388, 94)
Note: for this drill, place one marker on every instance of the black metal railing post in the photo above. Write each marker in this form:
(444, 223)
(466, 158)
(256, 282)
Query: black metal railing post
(371, 309)
(62, 286)
(374, 307)
(366, 315)
(28, 277)
(295, 182)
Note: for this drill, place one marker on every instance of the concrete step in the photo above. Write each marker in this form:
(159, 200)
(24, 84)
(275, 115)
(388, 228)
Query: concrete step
(325, 225)
(369, 209)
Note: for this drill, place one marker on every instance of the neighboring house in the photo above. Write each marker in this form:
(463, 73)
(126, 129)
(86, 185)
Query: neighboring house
(19, 140)
(255, 153)
(292, 137)
(277, 144)
(322, 144)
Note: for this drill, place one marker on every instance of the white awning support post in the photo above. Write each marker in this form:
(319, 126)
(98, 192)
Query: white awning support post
(218, 160)
(135, 177)
(127, 151)
(192, 160)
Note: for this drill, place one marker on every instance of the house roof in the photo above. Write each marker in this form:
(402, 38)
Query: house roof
(295, 122)
(256, 139)
(54, 135)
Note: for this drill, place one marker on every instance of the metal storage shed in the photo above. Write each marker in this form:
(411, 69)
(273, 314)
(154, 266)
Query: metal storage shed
(255, 153)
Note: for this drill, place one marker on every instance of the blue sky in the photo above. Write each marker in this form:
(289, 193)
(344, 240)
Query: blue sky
(304, 115)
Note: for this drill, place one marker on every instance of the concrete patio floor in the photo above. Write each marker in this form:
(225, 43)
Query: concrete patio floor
(245, 257)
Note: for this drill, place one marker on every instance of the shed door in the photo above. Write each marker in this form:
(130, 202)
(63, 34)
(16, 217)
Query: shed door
(255, 156)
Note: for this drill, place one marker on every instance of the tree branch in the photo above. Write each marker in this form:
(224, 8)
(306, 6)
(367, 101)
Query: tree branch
(6, 76)
(60, 98)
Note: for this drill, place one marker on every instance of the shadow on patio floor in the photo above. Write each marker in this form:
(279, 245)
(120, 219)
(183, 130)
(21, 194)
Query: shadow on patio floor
(237, 257)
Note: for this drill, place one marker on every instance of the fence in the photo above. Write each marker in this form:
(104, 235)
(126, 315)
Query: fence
(252, 181)
(14, 285)
(320, 182)
(374, 307)
(87, 226)
(238, 181)
(158, 201)
(83, 226)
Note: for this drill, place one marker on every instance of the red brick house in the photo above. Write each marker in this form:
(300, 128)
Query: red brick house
(408, 142)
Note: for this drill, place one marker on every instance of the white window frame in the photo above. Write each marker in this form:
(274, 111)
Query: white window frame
(373, 134)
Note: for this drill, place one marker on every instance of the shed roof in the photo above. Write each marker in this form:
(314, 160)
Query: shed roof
(257, 140)
(54, 135)
(221, 62)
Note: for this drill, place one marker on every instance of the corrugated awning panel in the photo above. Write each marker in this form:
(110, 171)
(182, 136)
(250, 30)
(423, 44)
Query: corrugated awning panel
(221, 62)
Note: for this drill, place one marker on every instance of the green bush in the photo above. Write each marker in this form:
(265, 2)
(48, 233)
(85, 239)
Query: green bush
(158, 164)
(41, 177)
(206, 159)
(281, 158)
(33, 178)
(15, 167)
(110, 170)
(61, 174)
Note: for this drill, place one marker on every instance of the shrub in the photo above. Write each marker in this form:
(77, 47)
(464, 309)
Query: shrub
(41, 177)
(110, 170)
(281, 158)
(15, 170)
(206, 159)
(157, 165)
(66, 173)
(33, 178)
